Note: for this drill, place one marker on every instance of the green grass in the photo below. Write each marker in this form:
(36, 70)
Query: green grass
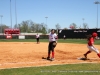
(80, 41)
(69, 69)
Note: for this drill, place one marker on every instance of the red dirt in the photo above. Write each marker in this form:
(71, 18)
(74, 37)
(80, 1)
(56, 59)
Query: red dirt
(26, 54)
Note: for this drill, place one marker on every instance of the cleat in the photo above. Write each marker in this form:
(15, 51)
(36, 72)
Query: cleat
(82, 59)
(48, 58)
(52, 59)
(85, 55)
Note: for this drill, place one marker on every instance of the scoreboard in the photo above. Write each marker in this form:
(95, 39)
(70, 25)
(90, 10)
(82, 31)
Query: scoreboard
(12, 31)
(9, 32)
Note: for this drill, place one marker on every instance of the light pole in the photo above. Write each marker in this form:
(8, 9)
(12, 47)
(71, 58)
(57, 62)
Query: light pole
(83, 20)
(97, 2)
(1, 22)
(10, 14)
(46, 20)
(46, 24)
(15, 13)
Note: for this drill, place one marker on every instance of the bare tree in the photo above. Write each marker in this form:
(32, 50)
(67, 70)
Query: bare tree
(85, 26)
(58, 26)
(73, 26)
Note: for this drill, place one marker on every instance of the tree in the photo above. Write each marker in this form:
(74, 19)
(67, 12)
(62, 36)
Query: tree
(29, 26)
(85, 26)
(49, 30)
(32, 28)
(3, 27)
(57, 26)
(24, 26)
(15, 26)
(65, 28)
(44, 30)
(80, 27)
(73, 26)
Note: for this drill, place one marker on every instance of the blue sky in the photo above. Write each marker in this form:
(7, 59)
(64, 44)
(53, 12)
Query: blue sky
(63, 12)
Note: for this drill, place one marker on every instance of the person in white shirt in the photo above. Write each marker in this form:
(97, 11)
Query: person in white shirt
(52, 44)
(37, 38)
(64, 37)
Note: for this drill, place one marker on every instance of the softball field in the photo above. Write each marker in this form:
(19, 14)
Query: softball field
(27, 54)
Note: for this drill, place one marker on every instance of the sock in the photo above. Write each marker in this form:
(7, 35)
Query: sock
(88, 52)
(52, 54)
(98, 55)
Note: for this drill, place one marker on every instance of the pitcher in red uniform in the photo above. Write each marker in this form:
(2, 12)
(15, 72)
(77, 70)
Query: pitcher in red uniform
(91, 39)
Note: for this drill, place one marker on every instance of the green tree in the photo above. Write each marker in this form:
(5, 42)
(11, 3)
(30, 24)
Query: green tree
(31, 27)
(24, 26)
(3, 27)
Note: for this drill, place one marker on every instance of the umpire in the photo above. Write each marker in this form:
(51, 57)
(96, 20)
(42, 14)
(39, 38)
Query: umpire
(52, 44)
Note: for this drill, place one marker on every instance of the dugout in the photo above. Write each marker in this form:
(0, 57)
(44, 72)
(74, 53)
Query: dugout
(76, 33)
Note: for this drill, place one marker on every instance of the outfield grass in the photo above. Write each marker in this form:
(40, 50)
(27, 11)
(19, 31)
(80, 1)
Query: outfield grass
(69, 69)
(80, 41)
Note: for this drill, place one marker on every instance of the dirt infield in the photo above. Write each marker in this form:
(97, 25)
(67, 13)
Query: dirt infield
(25, 54)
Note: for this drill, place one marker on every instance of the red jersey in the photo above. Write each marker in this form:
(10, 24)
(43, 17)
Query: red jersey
(91, 41)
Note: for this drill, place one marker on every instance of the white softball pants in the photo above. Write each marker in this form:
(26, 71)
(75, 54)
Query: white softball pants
(92, 48)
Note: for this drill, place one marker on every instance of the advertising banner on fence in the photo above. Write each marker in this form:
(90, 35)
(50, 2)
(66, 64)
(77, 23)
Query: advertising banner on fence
(8, 36)
(21, 37)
